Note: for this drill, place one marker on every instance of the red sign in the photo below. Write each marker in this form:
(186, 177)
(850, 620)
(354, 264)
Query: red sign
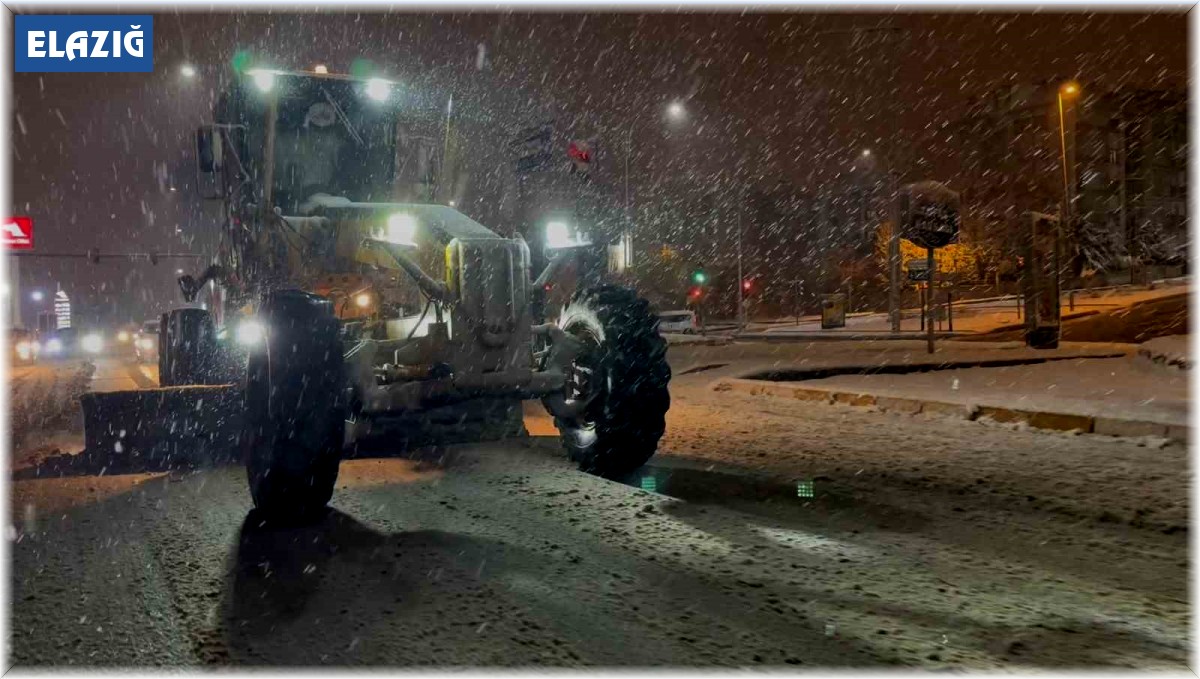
(17, 233)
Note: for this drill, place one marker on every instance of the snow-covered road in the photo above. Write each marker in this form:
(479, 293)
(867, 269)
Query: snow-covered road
(929, 542)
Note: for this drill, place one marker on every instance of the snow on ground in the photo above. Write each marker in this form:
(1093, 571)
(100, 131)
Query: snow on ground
(1172, 351)
(1037, 546)
(44, 410)
(1083, 476)
(1122, 388)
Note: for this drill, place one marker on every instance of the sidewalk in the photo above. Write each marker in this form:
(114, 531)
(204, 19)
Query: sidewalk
(1121, 396)
(970, 317)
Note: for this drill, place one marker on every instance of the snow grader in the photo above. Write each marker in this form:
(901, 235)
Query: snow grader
(346, 304)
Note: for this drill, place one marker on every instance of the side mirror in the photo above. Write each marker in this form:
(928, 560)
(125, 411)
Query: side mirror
(209, 151)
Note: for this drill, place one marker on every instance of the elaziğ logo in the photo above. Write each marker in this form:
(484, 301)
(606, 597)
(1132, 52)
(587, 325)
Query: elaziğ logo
(84, 43)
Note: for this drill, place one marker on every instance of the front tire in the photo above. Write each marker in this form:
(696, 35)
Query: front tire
(294, 415)
(619, 384)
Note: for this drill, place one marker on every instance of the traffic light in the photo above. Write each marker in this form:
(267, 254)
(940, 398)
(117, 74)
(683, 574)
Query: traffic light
(699, 277)
(695, 293)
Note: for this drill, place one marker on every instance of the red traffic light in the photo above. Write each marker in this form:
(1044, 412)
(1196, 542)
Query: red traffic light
(696, 292)
(747, 284)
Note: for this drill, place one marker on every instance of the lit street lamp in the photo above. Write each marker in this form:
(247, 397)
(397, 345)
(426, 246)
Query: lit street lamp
(1068, 91)
(37, 295)
(187, 71)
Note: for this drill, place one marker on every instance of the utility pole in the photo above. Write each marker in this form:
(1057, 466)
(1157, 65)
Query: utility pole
(1130, 234)
(929, 297)
(894, 252)
(893, 200)
(628, 215)
(741, 310)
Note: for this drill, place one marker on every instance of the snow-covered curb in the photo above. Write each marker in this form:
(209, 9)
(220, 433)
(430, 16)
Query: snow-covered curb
(1039, 419)
(1172, 352)
(709, 340)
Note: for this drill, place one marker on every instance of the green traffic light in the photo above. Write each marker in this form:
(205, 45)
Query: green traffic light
(699, 278)
(241, 60)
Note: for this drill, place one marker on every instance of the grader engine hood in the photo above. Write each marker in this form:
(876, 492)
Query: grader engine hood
(450, 257)
(406, 224)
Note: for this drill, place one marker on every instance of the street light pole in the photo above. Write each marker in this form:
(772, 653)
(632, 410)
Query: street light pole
(1065, 213)
(894, 252)
(625, 237)
(1062, 137)
(741, 303)
(891, 33)
(674, 110)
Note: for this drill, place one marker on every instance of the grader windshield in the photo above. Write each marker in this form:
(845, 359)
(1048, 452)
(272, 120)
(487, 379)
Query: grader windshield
(342, 137)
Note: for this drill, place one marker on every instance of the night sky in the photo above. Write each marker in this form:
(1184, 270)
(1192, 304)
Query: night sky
(768, 96)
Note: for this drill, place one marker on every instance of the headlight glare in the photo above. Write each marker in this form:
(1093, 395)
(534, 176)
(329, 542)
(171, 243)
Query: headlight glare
(401, 229)
(92, 343)
(251, 333)
(378, 89)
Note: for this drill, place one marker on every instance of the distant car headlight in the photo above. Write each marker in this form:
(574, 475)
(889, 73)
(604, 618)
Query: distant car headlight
(92, 343)
(123, 336)
(25, 349)
(145, 343)
(251, 333)
(54, 346)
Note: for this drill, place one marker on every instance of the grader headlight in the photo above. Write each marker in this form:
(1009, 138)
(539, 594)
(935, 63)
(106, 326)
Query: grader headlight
(401, 229)
(251, 333)
(560, 234)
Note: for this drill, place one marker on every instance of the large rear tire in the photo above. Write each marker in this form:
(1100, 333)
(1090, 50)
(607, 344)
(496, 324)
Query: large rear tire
(619, 383)
(294, 411)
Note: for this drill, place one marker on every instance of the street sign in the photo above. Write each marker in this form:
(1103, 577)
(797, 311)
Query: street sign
(918, 270)
(929, 214)
(17, 233)
(533, 147)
